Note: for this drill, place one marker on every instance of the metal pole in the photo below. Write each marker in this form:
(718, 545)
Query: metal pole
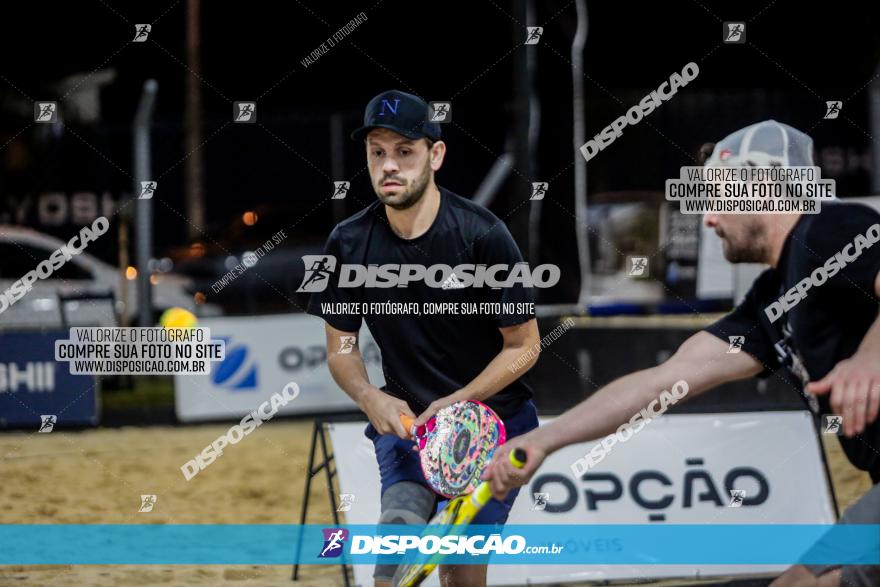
(580, 164)
(144, 219)
(495, 178)
(874, 113)
(123, 265)
(328, 459)
(304, 508)
(337, 162)
(534, 129)
(195, 192)
(518, 222)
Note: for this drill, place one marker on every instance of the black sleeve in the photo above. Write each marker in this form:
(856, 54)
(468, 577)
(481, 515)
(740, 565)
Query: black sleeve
(745, 321)
(851, 228)
(333, 294)
(498, 247)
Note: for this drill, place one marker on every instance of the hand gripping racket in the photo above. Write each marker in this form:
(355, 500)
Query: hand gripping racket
(456, 445)
(451, 521)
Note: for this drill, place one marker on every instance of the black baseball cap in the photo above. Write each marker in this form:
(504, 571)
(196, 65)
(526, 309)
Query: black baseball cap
(405, 114)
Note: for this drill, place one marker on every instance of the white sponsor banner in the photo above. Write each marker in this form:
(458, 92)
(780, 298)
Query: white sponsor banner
(263, 354)
(676, 468)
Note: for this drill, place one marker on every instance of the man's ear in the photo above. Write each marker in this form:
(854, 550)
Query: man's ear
(437, 154)
(705, 152)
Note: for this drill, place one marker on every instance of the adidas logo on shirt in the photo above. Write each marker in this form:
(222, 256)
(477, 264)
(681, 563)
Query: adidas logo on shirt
(452, 282)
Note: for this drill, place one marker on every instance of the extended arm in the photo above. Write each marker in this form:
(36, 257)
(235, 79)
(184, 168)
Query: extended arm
(702, 361)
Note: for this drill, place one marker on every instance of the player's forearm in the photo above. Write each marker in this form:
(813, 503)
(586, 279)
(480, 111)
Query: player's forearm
(702, 362)
(870, 345)
(506, 367)
(604, 411)
(350, 374)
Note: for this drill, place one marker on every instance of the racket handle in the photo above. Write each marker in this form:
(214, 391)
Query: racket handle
(408, 422)
(518, 458)
(482, 494)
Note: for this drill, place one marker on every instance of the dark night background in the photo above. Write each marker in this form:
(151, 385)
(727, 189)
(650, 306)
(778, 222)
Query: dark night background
(796, 57)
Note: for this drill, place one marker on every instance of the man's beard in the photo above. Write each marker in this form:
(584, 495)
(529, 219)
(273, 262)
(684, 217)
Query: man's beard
(411, 196)
(752, 248)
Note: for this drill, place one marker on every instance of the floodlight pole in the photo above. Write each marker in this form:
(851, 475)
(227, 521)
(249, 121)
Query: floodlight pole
(580, 164)
(144, 213)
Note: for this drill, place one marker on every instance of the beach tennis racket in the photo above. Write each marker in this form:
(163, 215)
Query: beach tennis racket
(452, 520)
(456, 445)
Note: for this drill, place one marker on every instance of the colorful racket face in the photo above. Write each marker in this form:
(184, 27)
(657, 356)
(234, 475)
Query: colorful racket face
(457, 444)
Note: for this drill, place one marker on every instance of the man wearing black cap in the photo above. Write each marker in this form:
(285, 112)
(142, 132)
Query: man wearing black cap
(429, 361)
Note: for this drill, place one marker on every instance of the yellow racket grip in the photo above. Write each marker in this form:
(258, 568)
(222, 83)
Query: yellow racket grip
(518, 458)
(482, 494)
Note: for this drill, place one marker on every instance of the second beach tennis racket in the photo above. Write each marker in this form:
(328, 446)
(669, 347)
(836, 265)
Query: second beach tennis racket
(450, 521)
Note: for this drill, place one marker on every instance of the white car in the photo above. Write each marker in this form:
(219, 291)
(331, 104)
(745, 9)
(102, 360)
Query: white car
(22, 249)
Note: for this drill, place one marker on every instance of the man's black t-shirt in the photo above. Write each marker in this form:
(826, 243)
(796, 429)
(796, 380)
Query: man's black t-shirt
(829, 322)
(426, 357)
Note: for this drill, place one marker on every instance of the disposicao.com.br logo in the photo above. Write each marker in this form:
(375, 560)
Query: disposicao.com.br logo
(320, 268)
(334, 542)
(476, 544)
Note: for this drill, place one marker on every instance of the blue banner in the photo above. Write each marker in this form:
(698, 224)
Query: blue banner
(138, 544)
(33, 384)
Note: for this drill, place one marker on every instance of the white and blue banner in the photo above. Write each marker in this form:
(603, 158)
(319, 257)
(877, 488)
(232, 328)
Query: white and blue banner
(679, 470)
(263, 354)
(33, 384)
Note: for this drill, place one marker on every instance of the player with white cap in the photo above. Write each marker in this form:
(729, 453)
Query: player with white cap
(814, 311)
